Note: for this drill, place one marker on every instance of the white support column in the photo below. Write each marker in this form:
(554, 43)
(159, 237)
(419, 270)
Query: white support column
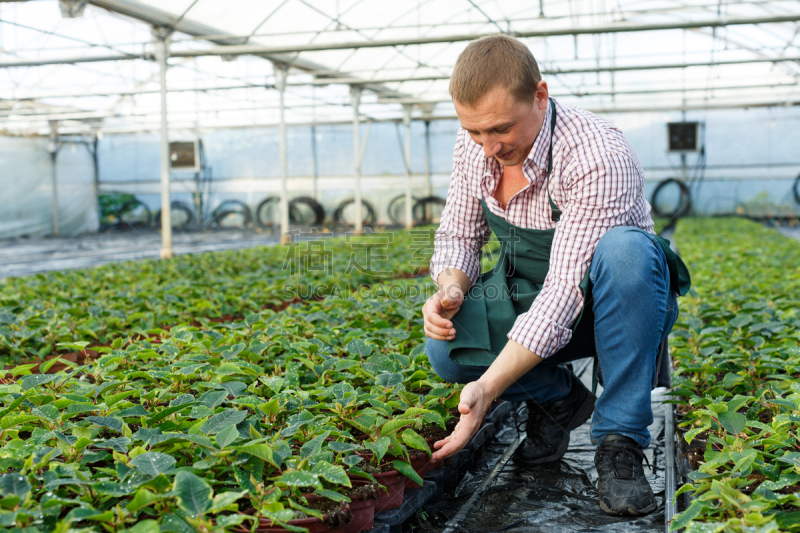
(409, 197)
(54, 175)
(314, 170)
(428, 186)
(355, 101)
(281, 70)
(161, 38)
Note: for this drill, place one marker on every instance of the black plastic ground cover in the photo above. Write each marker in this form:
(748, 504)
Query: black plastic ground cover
(559, 497)
(444, 479)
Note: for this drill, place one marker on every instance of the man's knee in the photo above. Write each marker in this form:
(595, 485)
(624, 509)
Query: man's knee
(627, 256)
(445, 368)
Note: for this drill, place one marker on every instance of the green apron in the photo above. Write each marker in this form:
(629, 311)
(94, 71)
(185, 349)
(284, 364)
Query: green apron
(492, 305)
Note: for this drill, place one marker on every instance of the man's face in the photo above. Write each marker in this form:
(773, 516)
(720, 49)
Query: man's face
(504, 126)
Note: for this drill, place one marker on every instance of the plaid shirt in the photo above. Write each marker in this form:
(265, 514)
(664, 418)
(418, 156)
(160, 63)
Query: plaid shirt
(597, 182)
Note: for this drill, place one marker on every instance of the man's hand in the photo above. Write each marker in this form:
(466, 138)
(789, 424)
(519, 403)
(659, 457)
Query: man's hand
(438, 311)
(473, 406)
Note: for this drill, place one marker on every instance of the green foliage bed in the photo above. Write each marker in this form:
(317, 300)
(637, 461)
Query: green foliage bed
(197, 407)
(134, 298)
(737, 365)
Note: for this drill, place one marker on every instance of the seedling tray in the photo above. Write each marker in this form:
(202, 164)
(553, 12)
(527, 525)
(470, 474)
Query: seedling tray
(412, 501)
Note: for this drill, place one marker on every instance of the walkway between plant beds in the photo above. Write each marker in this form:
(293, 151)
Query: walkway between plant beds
(559, 497)
(20, 257)
(790, 231)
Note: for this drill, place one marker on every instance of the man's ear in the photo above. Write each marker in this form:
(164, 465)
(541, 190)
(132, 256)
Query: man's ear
(542, 95)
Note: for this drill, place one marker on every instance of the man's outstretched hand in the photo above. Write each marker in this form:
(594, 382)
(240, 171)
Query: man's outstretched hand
(473, 406)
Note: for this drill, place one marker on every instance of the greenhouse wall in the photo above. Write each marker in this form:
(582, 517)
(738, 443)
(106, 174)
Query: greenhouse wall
(751, 164)
(27, 191)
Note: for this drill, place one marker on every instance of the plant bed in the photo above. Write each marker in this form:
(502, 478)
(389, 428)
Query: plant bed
(736, 369)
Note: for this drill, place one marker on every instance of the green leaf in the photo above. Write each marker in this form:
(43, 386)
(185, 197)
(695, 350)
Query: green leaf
(332, 473)
(143, 498)
(22, 370)
(740, 321)
(15, 420)
(164, 413)
(379, 447)
(173, 524)
(300, 478)
(792, 458)
(194, 494)
(226, 418)
(227, 436)
(359, 347)
(107, 422)
(415, 440)
(145, 526)
(262, 451)
(154, 463)
(733, 423)
(406, 469)
(692, 433)
(225, 500)
(313, 446)
(34, 380)
(342, 447)
(681, 520)
(170, 438)
(14, 485)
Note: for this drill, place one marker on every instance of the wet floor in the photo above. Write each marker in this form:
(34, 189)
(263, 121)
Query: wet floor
(558, 497)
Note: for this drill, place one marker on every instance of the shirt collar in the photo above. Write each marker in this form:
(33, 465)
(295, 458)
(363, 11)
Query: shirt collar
(541, 147)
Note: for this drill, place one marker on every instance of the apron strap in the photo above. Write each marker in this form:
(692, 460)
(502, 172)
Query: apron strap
(555, 212)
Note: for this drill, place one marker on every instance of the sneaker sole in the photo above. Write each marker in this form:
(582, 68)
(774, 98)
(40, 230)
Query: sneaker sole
(629, 511)
(581, 415)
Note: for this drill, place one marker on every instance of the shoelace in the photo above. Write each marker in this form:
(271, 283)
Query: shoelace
(622, 460)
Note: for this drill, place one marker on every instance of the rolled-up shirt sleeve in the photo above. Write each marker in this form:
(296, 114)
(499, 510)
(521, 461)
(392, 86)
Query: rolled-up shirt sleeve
(463, 230)
(602, 192)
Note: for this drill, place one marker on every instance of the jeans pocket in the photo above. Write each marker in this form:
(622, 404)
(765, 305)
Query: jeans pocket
(670, 318)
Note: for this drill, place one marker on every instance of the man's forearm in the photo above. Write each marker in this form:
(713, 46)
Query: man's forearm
(451, 277)
(513, 362)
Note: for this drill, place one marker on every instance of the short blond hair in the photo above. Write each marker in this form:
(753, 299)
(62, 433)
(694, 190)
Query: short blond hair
(492, 61)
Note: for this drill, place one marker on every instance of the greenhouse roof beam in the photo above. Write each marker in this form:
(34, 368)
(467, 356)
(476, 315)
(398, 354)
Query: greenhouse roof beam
(384, 100)
(544, 71)
(133, 9)
(538, 19)
(706, 106)
(276, 52)
(433, 39)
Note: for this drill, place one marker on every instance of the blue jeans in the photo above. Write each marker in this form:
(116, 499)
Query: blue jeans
(634, 311)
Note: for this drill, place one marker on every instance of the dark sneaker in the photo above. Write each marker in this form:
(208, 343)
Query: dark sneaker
(549, 425)
(623, 489)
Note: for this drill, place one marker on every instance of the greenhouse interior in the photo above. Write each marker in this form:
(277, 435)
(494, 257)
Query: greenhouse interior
(256, 255)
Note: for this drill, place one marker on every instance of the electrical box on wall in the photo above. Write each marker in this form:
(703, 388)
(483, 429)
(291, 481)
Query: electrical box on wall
(683, 137)
(185, 155)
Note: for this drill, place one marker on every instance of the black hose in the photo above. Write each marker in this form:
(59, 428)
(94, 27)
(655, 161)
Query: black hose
(368, 219)
(421, 211)
(129, 207)
(230, 207)
(684, 204)
(796, 189)
(259, 211)
(393, 205)
(178, 206)
(296, 215)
